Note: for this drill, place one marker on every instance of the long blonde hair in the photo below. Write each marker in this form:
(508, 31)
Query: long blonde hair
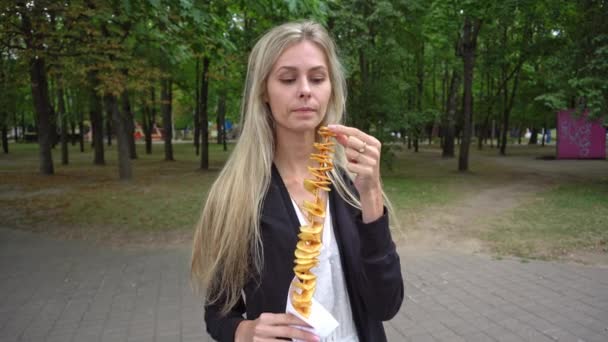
(227, 248)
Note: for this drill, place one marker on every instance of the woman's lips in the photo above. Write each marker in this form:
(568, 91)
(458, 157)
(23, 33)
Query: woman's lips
(304, 109)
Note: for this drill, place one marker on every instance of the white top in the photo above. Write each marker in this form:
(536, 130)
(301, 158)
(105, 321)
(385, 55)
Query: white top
(331, 289)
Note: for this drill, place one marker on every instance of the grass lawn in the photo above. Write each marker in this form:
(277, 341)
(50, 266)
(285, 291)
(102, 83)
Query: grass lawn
(161, 204)
(86, 201)
(555, 223)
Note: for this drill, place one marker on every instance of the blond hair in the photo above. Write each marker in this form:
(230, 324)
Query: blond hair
(227, 247)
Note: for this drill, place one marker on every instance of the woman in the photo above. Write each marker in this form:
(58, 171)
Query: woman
(245, 240)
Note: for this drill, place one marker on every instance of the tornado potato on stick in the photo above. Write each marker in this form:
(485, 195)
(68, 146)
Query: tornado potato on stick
(308, 247)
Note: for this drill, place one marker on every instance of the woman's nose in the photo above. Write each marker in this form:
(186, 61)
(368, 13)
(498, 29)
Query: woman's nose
(304, 88)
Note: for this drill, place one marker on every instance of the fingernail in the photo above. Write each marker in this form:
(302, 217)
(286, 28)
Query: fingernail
(332, 126)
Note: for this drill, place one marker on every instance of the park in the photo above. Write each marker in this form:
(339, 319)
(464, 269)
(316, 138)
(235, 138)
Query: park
(117, 117)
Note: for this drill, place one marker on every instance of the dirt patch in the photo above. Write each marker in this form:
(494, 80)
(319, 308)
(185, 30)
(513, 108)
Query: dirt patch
(9, 193)
(443, 226)
(588, 258)
(452, 226)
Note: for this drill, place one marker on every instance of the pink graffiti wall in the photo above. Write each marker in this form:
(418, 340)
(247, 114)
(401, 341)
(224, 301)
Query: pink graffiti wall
(578, 138)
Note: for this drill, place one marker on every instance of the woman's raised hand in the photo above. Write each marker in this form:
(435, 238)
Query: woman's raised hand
(271, 327)
(363, 158)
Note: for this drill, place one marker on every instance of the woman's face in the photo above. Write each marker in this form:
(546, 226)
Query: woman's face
(298, 88)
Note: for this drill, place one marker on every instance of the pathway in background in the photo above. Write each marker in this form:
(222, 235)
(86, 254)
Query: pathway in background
(65, 291)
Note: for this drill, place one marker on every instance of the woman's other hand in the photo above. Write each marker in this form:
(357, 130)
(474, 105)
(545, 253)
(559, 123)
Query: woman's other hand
(271, 327)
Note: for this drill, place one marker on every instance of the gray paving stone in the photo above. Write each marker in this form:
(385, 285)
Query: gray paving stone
(447, 336)
(71, 291)
(58, 338)
(422, 338)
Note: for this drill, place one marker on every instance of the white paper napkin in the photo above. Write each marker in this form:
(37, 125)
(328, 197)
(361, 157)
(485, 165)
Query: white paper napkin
(321, 321)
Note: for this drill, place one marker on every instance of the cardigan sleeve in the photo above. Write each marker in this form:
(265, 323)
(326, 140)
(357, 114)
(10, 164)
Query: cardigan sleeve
(381, 283)
(223, 327)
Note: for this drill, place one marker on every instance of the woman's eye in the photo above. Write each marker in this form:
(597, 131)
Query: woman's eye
(288, 80)
(317, 79)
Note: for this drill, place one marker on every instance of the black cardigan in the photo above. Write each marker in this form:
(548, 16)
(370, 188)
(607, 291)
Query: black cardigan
(369, 261)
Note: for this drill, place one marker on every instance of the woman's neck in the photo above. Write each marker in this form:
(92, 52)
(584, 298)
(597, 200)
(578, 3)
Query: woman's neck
(292, 153)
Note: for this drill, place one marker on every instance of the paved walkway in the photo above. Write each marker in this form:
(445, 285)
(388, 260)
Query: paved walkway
(70, 292)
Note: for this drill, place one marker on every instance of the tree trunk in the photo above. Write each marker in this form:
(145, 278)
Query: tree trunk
(124, 159)
(166, 95)
(469, 44)
(96, 118)
(15, 130)
(44, 113)
(221, 119)
(505, 121)
(544, 132)
(493, 133)
(23, 127)
(81, 135)
(145, 112)
(54, 129)
(507, 111)
(40, 90)
(533, 136)
(483, 132)
(109, 125)
(71, 125)
(129, 121)
(72, 132)
(150, 116)
(218, 125)
(520, 133)
(204, 115)
(449, 122)
(197, 111)
(5, 139)
(65, 160)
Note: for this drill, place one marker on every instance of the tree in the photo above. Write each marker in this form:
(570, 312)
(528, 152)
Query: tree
(466, 48)
(449, 119)
(166, 101)
(27, 28)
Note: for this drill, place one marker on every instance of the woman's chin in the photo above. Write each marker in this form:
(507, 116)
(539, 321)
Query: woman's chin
(302, 126)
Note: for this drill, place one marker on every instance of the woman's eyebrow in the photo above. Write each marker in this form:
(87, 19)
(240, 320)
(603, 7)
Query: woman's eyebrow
(292, 68)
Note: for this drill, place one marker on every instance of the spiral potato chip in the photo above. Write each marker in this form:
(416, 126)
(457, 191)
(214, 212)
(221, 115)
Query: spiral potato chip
(309, 244)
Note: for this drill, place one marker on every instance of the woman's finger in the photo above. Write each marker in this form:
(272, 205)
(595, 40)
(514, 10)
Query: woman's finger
(354, 132)
(295, 333)
(356, 144)
(292, 319)
(271, 326)
(360, 169)
(272, 332)
(348, 131)
(370, 151)
(360, 158)
(282, 319)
